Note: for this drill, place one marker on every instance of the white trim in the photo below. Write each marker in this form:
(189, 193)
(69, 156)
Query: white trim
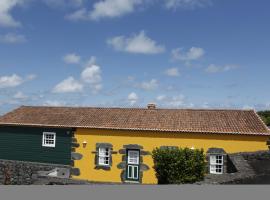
(104, 156)
(133, 160)
(44, 144)
(129, 181)
(214, 165)
(135, 169)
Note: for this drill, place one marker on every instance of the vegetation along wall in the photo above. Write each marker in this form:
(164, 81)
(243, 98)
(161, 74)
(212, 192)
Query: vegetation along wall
(25, 144)
(146, 141)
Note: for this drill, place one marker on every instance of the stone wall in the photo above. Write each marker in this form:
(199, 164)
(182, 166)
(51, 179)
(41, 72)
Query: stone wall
(244, 168)
(26, 173)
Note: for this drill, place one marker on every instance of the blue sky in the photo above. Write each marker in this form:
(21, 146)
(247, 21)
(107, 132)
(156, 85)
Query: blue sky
(127, 53)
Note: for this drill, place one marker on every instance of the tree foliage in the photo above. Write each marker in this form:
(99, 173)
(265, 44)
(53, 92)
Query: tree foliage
(177, 165)
(265, 115)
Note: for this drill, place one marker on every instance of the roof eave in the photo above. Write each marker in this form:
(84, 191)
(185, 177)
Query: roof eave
(136, 129)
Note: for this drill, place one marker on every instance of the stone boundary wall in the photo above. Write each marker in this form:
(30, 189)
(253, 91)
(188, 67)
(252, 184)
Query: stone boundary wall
(249, 167)
(24, 173)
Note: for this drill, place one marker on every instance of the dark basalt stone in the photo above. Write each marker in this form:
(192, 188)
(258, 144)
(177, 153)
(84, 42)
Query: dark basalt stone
(75, 171)
(74, 140)
(72, 163)
(107, 168)
(215, 150)
(122, 165)
(122, 151)
(75, 144)
(76, 156)
(133, 146)
(145, 153)
(103, 145)
(144, 167)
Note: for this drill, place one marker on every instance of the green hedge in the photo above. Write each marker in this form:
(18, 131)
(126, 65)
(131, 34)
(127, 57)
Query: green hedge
(177, 165)
(265, 115)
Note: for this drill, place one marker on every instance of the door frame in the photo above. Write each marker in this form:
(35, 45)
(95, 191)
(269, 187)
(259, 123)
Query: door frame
(137, 165)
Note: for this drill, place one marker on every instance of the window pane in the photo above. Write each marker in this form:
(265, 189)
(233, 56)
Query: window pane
(212, 159)
(133, 157)
(130, 171)
(216, 159)
(135, 172)
(101, 160)
(212, 169)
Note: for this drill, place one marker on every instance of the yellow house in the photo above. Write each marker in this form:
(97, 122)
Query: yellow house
(115, 144)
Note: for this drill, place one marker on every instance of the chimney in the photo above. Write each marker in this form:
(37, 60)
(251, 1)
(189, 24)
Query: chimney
(151, 106)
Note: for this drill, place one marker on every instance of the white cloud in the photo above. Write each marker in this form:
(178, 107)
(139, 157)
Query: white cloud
(64, 3)
(92, 61)
(68, 85)
(172, 72)
(6, 20)
(81, 14)
(117, 8)
(12, 38)
(105, 9)
(194, 53)
(113, 8)
(150, 85)
(72, 58)
(20, 95)
(216, 69)
(177, 101)
(161, 97)
(186, 4)
(133, 98)
(92, 76)
(31, 77)
(174, 101)
(138, 43)
(10, 81)
(248, 107)
(54, 103)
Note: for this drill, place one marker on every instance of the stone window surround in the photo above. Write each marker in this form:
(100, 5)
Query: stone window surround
(217, 151)
(103, 145)
(104, 155)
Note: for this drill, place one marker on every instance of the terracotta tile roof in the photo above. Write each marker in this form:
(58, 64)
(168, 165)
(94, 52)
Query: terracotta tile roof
(168, 120)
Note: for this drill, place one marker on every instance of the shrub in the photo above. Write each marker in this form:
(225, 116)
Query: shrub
(177, 165)
(265, 115)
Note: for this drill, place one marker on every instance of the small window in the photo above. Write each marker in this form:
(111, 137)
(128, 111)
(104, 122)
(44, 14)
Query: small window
(104, 156)
(216, 164)
(48, 139)
(133, 157)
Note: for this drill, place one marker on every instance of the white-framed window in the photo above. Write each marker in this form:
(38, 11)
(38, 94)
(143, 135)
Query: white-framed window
(216, 164)
(49, 139)
(133, 157)
(104, 156)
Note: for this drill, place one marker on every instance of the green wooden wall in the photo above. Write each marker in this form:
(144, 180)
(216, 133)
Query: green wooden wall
(25, 144)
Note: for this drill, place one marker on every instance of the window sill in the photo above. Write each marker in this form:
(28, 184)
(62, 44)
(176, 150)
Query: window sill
(127, 181)
(103, 167)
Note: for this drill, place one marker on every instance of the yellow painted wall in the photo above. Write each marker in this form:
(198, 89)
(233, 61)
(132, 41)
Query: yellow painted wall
(150, 140)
